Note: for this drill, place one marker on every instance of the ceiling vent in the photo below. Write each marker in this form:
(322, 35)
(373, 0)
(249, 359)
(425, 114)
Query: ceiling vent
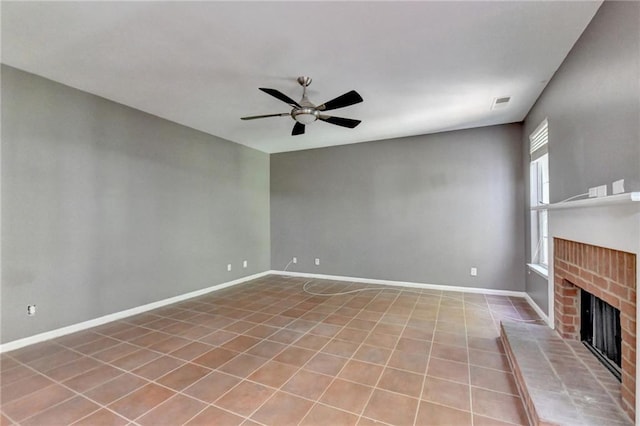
(500, 102)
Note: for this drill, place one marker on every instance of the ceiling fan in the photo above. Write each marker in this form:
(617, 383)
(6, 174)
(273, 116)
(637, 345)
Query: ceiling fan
(304, 112)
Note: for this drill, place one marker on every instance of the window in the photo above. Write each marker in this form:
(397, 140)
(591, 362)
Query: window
(539, 190)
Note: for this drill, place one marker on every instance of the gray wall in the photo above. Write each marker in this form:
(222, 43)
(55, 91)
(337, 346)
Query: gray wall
(593, 107)
(421, 209)
(106, 208)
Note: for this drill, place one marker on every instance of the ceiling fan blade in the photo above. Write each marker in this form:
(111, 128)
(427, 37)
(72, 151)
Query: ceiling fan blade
(253, 117)
(279, 95)
(339, 121)
(349, 98)
(298, 129)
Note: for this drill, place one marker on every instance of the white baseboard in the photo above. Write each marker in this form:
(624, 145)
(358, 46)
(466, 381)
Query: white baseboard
(489, 291)
(538, 310)
(48, 335)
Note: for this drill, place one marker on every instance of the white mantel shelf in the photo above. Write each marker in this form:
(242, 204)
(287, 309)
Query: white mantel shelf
(625, 198)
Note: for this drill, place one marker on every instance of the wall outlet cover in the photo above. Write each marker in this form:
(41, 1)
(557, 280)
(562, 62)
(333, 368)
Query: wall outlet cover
(244, 263)
(295, 260)
(317, 261)
(228, 267)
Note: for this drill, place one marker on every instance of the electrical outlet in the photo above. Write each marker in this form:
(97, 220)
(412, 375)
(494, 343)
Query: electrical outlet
(618, 187)
(31, 309)
(474, 271)
(228, 267)
(244, 263)
(295, 260)
(317, 262)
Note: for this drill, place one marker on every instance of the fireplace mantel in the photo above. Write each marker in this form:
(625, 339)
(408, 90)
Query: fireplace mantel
(610, 222)
(628, 197)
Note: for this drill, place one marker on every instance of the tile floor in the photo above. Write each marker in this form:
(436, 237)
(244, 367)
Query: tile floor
(266, 352)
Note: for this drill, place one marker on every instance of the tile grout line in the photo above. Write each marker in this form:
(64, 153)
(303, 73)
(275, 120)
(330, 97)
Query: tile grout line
(426, 368)
(466, 337)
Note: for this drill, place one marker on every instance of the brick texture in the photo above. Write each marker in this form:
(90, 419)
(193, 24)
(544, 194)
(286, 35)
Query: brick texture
(607, 274)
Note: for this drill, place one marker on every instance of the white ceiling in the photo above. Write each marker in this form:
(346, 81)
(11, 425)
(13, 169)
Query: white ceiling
(421, 67)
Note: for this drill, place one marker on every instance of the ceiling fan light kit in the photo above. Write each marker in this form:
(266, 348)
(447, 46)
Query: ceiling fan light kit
(304, 112)
(305, 115)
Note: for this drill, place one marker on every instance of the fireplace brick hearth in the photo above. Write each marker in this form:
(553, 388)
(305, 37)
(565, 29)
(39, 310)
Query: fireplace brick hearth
(609, 275)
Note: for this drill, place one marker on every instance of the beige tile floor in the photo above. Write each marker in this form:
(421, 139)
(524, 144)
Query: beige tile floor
(265, 352)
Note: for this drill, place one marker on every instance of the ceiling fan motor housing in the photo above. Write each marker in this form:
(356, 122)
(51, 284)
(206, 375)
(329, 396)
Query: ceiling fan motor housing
(304, 81)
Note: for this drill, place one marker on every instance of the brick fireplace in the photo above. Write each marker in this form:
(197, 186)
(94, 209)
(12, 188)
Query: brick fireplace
(609, 275)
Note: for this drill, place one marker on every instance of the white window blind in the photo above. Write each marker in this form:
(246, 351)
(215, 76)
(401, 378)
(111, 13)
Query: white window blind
(539, 140)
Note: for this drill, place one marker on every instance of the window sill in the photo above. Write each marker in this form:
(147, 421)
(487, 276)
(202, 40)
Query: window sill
(538, 269)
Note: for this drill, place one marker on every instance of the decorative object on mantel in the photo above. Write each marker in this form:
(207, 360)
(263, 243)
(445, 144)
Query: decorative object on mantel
(627, 197)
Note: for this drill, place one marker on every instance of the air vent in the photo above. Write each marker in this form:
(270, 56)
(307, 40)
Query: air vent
(500, 102)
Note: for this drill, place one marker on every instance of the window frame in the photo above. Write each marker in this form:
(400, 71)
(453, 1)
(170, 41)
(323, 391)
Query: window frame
(539, 196)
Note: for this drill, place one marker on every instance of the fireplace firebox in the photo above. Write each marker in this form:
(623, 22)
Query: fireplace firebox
(600, 331)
